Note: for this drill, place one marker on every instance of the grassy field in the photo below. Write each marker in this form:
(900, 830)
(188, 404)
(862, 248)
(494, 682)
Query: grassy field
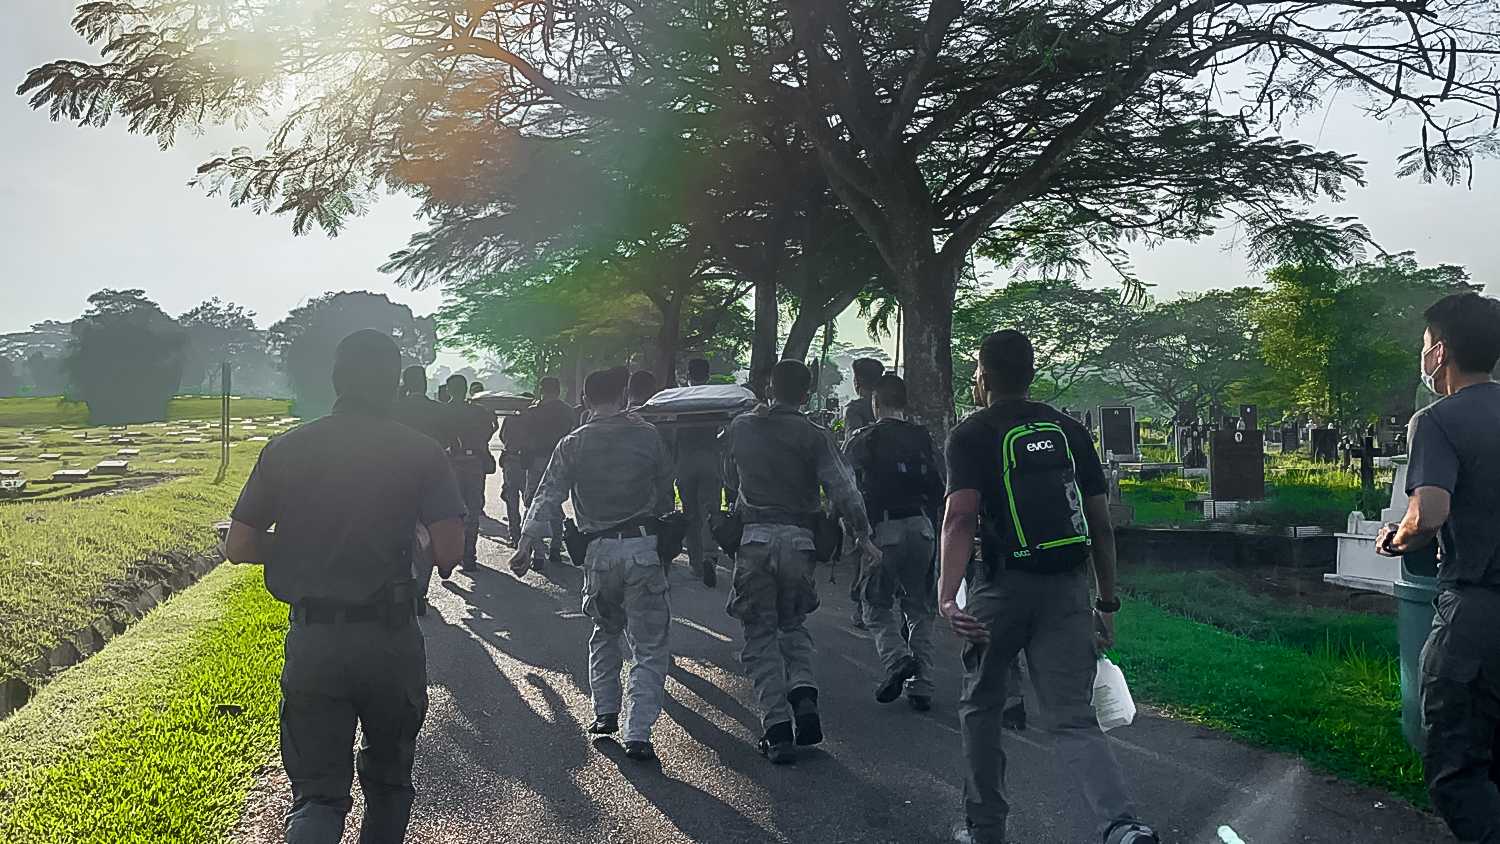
(155, 738)
(1323, 684)
(61, 560)
(30, 412)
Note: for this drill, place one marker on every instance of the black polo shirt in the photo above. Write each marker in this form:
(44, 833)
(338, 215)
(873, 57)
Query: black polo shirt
(345, 494)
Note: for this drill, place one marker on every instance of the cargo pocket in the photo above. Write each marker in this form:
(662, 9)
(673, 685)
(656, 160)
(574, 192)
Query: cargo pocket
(798, 595)
(752, 594)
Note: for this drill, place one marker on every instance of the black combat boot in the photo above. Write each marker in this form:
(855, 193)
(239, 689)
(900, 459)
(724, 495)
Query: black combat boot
(890, 689)
(804, 701)
(640, 751)
(776, 745)
(1131, 832)
(605, 725)
(1014, 718)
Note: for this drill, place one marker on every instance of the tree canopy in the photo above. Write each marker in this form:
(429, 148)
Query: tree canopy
(126, 358)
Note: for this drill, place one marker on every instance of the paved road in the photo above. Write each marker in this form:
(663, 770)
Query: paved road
(504, 757)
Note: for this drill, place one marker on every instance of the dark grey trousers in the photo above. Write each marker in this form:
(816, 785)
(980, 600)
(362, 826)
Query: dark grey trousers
(337, 676)
(701, 490)
(1461, 712)
(1048, 617)
(471, 487)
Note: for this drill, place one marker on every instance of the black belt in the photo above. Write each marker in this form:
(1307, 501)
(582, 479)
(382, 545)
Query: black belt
(323, 613)
(808, 522)
(629, 531)
(892, 515)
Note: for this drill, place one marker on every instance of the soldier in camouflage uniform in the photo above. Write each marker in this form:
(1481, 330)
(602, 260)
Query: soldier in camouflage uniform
(775, 459)
(619, 475)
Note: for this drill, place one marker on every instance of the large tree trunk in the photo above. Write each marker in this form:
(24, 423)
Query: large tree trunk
(927, 290)
(767, 327)
(665, 365)
(809, 319)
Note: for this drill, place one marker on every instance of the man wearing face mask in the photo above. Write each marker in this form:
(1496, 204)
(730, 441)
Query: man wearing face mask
(1453, 485)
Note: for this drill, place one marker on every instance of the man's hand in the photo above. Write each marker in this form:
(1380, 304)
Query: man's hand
(869, 553)
(965, 625)
(1384, 540)
(1104, 630)
(520, 562)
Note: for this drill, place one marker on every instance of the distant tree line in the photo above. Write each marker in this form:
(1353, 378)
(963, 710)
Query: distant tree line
(1324, 339)
(127, 358)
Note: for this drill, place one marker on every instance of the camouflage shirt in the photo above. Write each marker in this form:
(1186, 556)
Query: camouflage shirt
(616, 470)
(777, 458)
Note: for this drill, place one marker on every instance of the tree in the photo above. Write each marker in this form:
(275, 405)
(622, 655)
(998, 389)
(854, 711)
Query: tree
(306, 338)
(47, 376)
(1339, 339)
(940, 125)
(10, 381)
(222, 332)
(1189, 353)
(1070, 327)
(126, 359)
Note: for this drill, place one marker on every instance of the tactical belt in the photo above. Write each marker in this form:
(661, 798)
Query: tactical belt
(808, 521)
(893, 515)
(629, 530)
(319, 612)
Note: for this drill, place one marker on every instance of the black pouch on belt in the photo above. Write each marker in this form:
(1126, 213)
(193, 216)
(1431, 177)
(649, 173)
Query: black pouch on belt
(671, 533)
(576, 541)
(728, 528)
(828, 536)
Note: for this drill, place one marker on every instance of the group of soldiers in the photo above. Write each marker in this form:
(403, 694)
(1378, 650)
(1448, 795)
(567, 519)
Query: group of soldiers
(338, 536)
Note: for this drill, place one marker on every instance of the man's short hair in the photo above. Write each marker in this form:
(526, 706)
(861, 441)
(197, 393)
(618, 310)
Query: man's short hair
(790, 381)
(1469, 326)
(642, 384)
(414, 380)
(867, 371)
(697, 369)
(549, 386)
(1008, 361)
(890, 392)
(606, 385)
(458, 386)
(476, 387)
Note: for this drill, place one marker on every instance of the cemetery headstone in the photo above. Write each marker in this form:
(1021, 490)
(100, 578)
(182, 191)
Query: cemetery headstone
(10, 473)
(1237, 466)
(128, 452)
(111, 467)
(1325, 444)
(49, 456)
(1195, 458)
(70, 476)
(1251, 416)
(1117, 433)
(12, 487)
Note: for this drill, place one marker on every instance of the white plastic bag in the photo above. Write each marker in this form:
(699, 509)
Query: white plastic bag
(1113, 705)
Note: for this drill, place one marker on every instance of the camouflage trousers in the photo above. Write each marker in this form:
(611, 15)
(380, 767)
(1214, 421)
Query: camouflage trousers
(773, 594)
(625, 593)
(905, 573)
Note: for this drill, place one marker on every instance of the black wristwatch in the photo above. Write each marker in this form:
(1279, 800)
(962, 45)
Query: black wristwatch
(1108, 608)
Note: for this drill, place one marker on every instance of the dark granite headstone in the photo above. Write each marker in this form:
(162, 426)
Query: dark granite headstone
(1325, 445)
(1117, 431)
(1237, 466)
(1251, 414)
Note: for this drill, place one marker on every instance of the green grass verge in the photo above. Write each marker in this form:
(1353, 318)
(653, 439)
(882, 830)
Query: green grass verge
(1339, 712)
(154, 739)
(1162, 501)
(38, 411)
(58, 558)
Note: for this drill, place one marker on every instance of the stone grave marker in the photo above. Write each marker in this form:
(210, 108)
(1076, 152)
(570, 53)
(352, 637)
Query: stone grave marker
(1117, 433)
(111, 467)
(70, 476)
(128, 452)
(193, 440)
(1325, 445)
(168, 462)
(9, 459)
(11, 487)
(86, 436)
(10, 473)
(1251, 415)
(49, 456)
(258, 439)
(1237, 466)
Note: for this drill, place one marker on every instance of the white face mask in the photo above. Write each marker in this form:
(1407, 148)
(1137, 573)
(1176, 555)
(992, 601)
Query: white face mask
(1429, 379)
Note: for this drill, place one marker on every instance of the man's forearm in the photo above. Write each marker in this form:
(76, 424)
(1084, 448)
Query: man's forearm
(957, 547)
(1103, 558)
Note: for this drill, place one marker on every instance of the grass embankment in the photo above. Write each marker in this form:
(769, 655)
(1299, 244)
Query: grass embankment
(153, 739)
(1322, 684)
(61, 559)
(31, 412)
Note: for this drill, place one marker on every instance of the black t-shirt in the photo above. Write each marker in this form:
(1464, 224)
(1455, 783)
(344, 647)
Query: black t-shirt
(1455, 446)
(973, 455)
(345, 494)
(425, 415)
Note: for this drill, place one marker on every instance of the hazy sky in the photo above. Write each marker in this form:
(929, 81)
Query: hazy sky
(82, 209)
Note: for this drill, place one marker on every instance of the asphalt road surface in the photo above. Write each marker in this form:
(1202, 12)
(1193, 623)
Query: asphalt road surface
(504, 755)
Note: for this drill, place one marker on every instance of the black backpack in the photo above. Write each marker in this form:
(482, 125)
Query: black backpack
(900, 477)
(1043, 527)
